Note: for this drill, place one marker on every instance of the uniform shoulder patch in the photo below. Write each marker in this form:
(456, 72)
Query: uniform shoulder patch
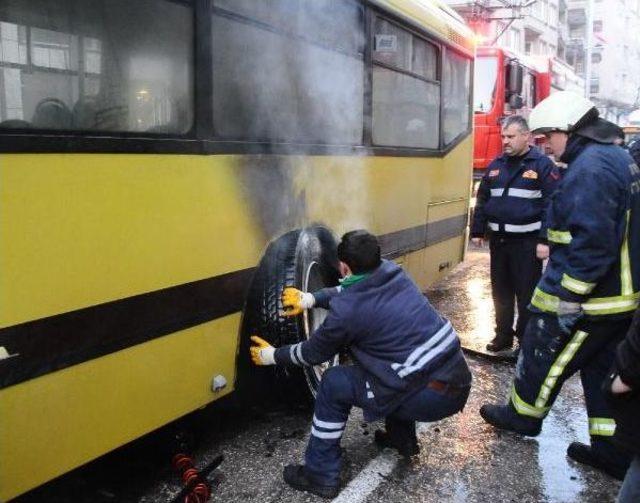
(530, 174)
(494, 172)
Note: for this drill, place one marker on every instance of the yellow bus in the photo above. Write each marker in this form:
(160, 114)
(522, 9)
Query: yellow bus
(166, 166)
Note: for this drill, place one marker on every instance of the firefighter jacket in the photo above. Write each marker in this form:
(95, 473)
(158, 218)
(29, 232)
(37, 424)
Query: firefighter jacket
(594, 233)
(512, 200)
(391, 331)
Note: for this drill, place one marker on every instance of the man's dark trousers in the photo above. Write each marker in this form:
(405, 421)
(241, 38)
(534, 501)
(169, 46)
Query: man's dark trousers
(515, 272)
(549, 357)
(341, 388)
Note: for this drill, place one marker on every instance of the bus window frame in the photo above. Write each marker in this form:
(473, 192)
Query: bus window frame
(200, 140)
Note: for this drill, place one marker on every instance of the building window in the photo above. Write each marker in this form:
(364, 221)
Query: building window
(594, 88)
(596, 57)
(597, 26)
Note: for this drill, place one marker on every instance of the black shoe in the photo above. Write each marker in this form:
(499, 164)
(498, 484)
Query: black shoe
(399, 435)
(607, 459)
(406, 449)
(296, 477)
(500, 342)
(505, 418)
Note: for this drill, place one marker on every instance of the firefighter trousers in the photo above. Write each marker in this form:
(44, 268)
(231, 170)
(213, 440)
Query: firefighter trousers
(549, 357)
(341, 388)
(515, 272)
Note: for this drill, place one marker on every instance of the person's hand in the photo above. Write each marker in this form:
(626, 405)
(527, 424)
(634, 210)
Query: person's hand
(478, 242)
(542, 251)
(262, 353)
(569, 313)
(295, 301)
(617, 386)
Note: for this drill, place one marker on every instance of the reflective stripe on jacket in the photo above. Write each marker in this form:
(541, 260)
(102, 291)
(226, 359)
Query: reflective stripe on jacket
(513, 199)
(594, 233)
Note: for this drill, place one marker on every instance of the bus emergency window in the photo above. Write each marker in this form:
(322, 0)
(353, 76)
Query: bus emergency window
(96, 65)
(406, 93)
(456, 82)
(288, 71)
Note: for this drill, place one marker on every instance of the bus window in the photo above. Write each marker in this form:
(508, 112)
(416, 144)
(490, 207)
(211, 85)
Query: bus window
(288, 71)
(97, 65)
(406, 92)
(456, 87)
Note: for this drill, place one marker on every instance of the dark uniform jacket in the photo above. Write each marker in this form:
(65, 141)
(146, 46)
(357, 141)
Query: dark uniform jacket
(626, 406)
(391, 331)
(512, 200)
(594, 232)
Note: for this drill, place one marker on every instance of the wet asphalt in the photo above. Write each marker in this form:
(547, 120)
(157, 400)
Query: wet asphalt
(462, 459)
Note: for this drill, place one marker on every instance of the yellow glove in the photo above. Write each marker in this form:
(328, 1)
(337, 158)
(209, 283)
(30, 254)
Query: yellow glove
(295, 301)
(262, 353)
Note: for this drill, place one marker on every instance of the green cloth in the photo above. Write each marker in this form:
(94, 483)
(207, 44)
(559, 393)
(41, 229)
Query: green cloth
(352, 279)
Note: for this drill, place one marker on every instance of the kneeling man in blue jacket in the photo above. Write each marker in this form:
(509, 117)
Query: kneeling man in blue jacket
(407, 361)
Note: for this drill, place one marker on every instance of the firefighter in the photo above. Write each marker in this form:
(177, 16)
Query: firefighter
(511, 203)
(408, 365)
(584, 302)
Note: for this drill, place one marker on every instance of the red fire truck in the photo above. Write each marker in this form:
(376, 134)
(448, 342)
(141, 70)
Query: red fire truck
(505, 83)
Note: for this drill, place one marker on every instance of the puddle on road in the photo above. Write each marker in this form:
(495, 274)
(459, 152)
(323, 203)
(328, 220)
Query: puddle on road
(464, 297)
(562, 482)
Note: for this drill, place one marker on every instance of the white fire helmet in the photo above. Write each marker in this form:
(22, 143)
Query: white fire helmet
(561, 111)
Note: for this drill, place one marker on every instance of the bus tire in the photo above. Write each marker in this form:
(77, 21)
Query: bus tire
(306, 259)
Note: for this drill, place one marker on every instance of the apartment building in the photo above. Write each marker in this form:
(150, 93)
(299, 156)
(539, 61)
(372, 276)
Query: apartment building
(604, 47)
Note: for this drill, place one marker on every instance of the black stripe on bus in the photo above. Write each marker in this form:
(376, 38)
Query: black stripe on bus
(57, 342)
(415, 238)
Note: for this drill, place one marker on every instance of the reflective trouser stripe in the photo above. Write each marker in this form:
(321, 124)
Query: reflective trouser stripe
(576, 286)
(626, 283)
(496, 192)
(562, 237)
(594, 306)
(525, 409)
(556, 370)
(516, 228)
(602, 426)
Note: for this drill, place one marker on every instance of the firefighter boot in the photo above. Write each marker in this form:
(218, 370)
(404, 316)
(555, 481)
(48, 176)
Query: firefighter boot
(399, 435)
(500, 342)
(601, 455)
(506, 418)
(296, 477)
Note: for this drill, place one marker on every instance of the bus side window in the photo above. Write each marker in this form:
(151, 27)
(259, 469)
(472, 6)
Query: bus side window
(456, 82)
(288, 70)
(406, 89)
(97, 65)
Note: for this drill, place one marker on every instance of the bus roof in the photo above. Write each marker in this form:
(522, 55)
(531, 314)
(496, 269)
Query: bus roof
(434, 15)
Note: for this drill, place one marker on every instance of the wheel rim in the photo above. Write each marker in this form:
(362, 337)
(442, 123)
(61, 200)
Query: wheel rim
(313, 318)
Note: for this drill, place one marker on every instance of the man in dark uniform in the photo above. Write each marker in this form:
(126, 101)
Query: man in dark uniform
(408, 365)
(511, 203)
(584, 302)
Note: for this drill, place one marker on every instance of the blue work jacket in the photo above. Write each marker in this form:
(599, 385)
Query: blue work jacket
(512, 200)
(594, 233)
(391, 331)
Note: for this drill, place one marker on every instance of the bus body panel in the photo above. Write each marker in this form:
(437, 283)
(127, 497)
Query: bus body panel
(76, 238)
